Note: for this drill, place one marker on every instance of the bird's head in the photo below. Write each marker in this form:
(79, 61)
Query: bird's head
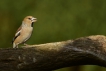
(29, 20)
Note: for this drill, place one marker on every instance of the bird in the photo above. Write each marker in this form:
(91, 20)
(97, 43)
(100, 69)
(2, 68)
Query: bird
(24, 32)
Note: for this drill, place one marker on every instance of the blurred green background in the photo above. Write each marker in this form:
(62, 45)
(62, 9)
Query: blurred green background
(58, 20)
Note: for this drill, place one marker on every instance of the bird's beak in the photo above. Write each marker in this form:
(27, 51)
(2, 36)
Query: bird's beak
(34, 19)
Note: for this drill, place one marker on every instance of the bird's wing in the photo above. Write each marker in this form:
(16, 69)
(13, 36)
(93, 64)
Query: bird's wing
(17, 33)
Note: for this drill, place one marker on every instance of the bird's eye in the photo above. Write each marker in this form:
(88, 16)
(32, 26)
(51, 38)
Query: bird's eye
(29, 18)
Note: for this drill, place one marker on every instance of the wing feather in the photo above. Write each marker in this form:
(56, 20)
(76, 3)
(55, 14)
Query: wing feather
(18, 30)
(17, 34)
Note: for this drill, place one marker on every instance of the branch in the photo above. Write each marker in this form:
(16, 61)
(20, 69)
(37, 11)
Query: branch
(50, 56)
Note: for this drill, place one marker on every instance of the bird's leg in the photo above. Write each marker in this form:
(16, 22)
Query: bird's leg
(25, 44)
(17, 46)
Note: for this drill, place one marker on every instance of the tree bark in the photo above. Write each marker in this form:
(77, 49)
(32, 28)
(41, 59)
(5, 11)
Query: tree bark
(89, 50)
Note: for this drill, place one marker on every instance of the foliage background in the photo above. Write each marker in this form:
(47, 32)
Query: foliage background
(58, 20)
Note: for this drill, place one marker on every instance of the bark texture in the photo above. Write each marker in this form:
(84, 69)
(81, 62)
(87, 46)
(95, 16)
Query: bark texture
(89, 50)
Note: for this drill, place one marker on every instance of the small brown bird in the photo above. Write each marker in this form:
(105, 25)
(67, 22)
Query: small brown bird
(24, 31)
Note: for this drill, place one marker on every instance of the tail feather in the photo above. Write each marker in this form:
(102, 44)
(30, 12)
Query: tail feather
(14, 45)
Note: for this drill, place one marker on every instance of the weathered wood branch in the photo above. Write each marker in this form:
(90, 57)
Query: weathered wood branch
(50, 56)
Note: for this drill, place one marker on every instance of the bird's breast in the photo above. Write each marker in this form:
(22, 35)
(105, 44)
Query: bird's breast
(26, 32)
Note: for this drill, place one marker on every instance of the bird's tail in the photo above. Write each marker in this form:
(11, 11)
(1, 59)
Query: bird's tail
(14, 45)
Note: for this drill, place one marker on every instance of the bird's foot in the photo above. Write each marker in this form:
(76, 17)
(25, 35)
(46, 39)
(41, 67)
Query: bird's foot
(25, 44)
